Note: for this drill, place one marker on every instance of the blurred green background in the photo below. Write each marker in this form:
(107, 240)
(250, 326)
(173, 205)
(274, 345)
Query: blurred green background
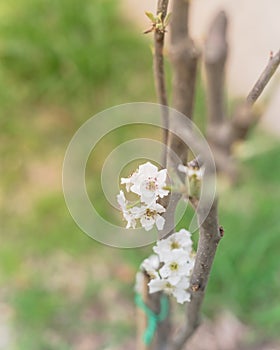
(60, 63)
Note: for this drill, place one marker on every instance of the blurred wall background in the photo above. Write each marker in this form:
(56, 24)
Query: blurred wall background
(253, 33)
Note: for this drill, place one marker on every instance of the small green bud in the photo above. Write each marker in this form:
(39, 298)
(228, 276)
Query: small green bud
(167, 19)
(194, 185)
(151, 16)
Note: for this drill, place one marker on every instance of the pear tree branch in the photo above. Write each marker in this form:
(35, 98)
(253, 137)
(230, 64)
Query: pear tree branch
(159, 74)
(163, 332)
(263, 80)
(209, 237)
(159, 23)
(184, 57)
(244, 118)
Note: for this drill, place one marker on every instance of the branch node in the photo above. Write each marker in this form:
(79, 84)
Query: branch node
(222, 231)
(195, 287)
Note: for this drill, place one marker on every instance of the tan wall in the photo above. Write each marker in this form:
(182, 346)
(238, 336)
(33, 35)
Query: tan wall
(254, 31)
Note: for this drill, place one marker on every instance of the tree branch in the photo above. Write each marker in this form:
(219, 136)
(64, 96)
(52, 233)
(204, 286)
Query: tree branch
(266, 75)
(221, 132)
(209, 235)
(244, 118)
(215, 56)
(184, 57)
(184, 61)
(153, 300)
(209, 238)
(159, 74)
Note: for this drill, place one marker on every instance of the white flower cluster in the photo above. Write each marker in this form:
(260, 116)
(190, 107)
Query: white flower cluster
(170, 269)
(148, 183)
(194, 176)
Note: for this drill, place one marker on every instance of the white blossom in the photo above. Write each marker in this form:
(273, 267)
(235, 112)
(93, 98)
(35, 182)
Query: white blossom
(151, 266)
(147, 182)
(171, 267)
(157, 285)
(177, 264)
(128, 215)
(178, 240)
(129, 181)
(150, 216)
(179, 290)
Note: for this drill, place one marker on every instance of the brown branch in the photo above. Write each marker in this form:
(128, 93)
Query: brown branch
(184, 57)
(184, 60)
(266, 75)
(209, 238)
(215, 56)
(209, 235)
(222, 133)
(159, 74)
(244, 118)
(163, 333)
(153, 301)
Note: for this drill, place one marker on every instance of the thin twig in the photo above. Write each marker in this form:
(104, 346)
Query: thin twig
(244, 117)
(159, 74)
(266, 75)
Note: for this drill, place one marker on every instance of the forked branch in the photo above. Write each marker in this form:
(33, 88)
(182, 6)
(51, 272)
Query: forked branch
(244, 118)
(222, 131)
(266, 75)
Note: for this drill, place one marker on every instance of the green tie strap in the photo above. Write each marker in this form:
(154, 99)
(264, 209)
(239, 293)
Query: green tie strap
(152, 318)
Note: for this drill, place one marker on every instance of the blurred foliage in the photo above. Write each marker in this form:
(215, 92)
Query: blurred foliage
(58, 50)
(60, 62)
